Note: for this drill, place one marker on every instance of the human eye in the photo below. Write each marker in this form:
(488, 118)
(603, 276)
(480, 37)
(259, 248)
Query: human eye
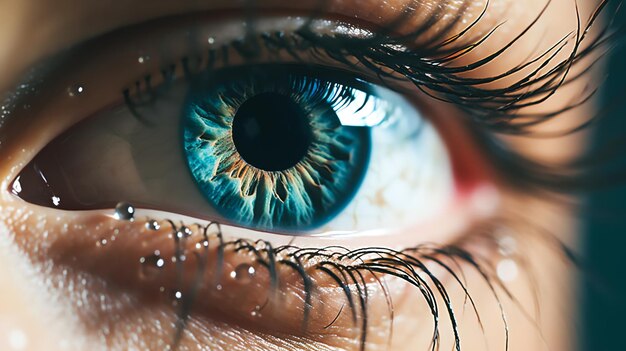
(295, 179)
(279, 147)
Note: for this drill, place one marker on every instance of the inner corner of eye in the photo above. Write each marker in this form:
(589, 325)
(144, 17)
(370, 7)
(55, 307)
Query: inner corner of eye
(284, 148)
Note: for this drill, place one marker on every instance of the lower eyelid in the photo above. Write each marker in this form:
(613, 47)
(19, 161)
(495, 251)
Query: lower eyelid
(95, 243)
(114, 250)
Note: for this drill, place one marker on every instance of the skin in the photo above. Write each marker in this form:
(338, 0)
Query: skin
(37, 271)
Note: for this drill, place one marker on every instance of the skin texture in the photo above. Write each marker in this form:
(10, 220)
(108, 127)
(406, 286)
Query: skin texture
(61, 291)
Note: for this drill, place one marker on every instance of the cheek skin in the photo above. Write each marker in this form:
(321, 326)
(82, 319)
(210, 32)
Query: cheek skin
(26, 310)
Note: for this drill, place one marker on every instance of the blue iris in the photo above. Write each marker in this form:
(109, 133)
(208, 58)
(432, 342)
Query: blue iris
(267, 149)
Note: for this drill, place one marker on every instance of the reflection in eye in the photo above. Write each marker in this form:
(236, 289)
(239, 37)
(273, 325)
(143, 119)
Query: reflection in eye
(287, 148)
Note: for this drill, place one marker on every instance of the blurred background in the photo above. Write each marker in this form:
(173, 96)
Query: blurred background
(604, 292)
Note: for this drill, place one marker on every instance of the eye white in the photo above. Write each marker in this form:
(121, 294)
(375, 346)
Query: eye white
(409, 177)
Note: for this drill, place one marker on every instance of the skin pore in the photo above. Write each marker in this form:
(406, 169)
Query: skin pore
(60, 291)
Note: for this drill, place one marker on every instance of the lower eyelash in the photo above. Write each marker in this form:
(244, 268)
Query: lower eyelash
(351, 271)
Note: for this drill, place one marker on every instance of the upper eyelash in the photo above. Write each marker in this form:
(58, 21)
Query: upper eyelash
(430, 68)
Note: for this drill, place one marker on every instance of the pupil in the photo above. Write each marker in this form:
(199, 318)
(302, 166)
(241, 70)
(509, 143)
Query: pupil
(271, 132)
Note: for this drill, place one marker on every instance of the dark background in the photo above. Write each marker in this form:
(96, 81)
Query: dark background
(604, 292)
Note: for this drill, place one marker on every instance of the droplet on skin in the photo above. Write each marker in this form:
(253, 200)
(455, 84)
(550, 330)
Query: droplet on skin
(256, 312)
(17, 340)
(507, 270)
(186, 231)
(202, 244)
(151, 266)
(507, 245)
(243, 273)
(75, 90)
(177, 296)
(153, 225)
(485, 200)
(124, 212)
(183, 232)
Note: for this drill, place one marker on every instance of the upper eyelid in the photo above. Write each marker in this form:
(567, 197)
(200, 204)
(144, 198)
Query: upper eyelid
(216, 55)
(450, 93)
(74, 23)
(344, 11)
(444, 85)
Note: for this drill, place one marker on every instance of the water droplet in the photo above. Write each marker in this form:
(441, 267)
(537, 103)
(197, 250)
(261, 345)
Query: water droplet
(102, 242)
(151, 266)
(256, 312)
(17, 340)
(507, 245)
(243, 273)
(186, 231)
(201, 244)
(176, 296)
(218, 287)
(507, 270)
(183, 232)
(124, 211)
(153, 225)
(261, 245)
(75, 90)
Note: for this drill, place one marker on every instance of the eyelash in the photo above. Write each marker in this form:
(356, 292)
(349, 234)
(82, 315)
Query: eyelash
(409, 265)
(492, 111)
